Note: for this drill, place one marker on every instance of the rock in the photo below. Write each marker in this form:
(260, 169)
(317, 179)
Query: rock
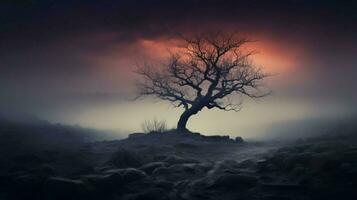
(160, 172)
(225, 166)
(201, 168)
(111, 183)
(229, 163)
(188, 168)
(239, 139)
(218, 138)
(130, 175)
(181, 172)
(171, 160)
(166, 185)
(247, 164)
(127, 175)
(182, 185)
(263, 165)
(124, 159)
(178, 172)
(103, 183)
(60, 182)
(114, 183)
(136, 135)
(150, 167)
(95, 178)
(63, 188)
(287, 161)
(201, 182)
(186, 146)
(318, 147)
(234, 181)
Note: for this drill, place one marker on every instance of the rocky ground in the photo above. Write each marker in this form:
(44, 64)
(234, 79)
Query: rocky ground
(179, 166)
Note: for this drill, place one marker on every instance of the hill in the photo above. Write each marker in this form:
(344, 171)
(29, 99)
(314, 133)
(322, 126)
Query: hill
(45, 161)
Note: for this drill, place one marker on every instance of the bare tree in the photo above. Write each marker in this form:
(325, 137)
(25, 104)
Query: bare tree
(208, 71)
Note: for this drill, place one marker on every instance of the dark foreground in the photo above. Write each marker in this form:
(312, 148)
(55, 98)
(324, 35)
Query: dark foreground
(177, 166)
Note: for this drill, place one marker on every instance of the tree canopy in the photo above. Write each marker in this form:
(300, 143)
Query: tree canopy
(206, 73)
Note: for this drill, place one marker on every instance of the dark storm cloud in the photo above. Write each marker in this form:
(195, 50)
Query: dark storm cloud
(43, 25)
(43, 19)
(27, 26)
(42, 42)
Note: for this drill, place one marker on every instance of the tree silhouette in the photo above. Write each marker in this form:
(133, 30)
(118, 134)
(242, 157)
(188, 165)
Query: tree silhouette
(207, 72)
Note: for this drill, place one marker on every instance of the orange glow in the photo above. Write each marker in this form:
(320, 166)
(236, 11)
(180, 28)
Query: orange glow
(159, 49)
(118, 64)
(272, 58)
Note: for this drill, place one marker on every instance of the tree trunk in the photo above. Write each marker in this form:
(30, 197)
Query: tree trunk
(181, 125)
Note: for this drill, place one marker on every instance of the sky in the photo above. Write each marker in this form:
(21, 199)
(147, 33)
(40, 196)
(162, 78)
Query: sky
(72, 61)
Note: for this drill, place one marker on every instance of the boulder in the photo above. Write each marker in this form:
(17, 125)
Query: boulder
(95, 179)
(239, 139)
(136, 135)
(160, 172)
(103, 183)
(163, 184)
(124, 159)
(183, 145)
(181, 172)
(131, 175)
(200, 183)
(219, 138)
(248, 164)
(63, 188)
(178, 172)
(171, 160)
(127, 175)
(202, 167)
(59, 182)
(150, 167)
(114, 182)
(225, 166)
(199, 169)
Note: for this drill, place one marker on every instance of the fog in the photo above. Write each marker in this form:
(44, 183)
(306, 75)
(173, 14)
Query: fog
(79, 70)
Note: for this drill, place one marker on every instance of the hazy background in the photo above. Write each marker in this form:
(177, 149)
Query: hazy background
(72, 61)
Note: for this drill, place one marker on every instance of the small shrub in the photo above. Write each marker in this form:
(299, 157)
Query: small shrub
(154, 125)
